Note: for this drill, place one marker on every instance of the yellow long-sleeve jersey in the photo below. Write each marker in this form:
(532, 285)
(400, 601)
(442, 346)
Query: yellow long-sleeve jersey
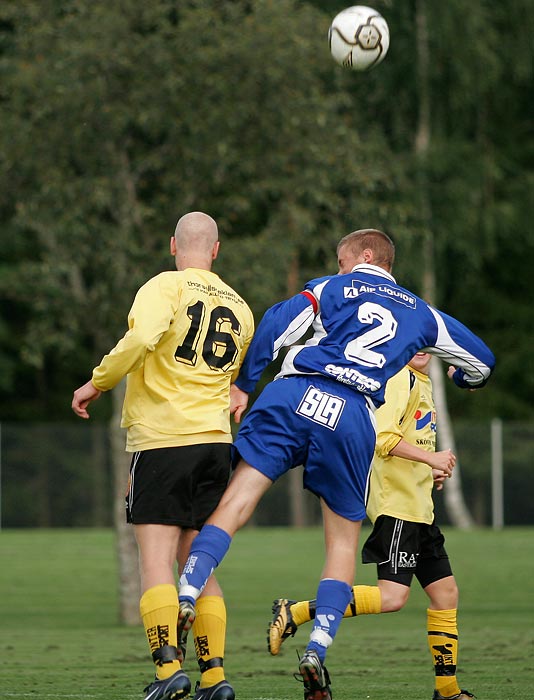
(187, 336)
(400, 487)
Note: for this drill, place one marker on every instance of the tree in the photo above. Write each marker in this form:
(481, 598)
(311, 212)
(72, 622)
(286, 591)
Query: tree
(111, 163)
(118, 117)
(456, 508)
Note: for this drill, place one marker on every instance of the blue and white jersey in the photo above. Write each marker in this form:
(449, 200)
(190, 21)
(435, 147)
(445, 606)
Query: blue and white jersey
(365, 329)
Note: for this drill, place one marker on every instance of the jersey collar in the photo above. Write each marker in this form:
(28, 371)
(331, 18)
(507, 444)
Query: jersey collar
(373, 270)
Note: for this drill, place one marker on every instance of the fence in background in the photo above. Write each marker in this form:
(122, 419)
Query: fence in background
(60, 475)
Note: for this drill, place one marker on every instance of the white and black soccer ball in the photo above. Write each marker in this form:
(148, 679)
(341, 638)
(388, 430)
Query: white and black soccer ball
(358, 37)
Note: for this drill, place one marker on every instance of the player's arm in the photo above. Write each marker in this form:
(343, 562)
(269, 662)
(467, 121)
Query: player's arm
(390, 416)
(282, 325)
(401, 401)
(443, 461)
(458, 346)
(150, 316)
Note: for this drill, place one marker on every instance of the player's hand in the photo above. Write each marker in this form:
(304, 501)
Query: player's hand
(439, 477)
(83, 397)
(238, 402)
(443, 461)
(450, 373)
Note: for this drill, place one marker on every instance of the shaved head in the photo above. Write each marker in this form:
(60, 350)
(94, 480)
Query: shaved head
(196, 241)
(196, 229)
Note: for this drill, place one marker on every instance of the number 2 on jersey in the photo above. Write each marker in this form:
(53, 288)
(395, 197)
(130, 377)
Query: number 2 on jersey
(359, 349)
(219, 350)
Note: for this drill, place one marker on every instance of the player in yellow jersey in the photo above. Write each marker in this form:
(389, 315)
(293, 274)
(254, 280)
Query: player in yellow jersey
(404, 541)
(187, 336)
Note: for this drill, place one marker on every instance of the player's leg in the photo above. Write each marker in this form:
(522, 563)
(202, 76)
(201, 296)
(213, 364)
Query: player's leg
(435, 576)
(209, 548)
(289, 615)
(159, 606)
(333, 595)
(267, 441)
(393, 546)
(157, 545)
(210, 472)
(335, 588)
(209, 632)
(340, 449)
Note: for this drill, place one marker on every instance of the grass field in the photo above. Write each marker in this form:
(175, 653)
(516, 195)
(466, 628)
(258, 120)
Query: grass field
(60, 637)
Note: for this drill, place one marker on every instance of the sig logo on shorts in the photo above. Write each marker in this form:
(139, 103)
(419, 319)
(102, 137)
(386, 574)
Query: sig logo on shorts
(321, 408)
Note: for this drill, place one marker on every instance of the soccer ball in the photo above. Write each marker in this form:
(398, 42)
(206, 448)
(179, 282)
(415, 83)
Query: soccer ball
(358, 37)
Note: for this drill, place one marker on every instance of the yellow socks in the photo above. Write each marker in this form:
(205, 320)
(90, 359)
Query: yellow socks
(209, 632)
(443, 644)
(367, 600)
(159, 611)
(302, 611)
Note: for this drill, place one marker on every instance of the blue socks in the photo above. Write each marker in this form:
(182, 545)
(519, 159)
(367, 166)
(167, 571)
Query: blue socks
(207, 551)
(332, 600)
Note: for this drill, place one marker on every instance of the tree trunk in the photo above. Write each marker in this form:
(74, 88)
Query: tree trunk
(98, 475)
(454, 502)
(297, 502)
(453, 498)
(129, 581)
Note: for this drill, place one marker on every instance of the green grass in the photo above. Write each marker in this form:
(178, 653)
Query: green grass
(59, 636)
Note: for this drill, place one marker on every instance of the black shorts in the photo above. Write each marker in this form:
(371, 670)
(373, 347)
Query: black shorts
(401, 549)
(177, 485)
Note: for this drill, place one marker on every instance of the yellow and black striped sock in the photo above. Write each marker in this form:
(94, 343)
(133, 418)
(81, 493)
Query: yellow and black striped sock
(443, 644)
(159, 611)
(303, 611)
(209, 633)
(366, 600)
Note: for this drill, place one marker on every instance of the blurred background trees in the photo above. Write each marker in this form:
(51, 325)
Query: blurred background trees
(119, 117)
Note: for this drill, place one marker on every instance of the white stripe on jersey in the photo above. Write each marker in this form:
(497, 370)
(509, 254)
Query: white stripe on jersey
(294, 331)
(299, 325)
(319, 333)
(446, 349)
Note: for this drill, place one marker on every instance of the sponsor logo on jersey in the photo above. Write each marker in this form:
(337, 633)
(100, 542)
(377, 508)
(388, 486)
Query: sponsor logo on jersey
(382, 290)
(321, 407)
(351, 376)
(213, 291)
(421, 421)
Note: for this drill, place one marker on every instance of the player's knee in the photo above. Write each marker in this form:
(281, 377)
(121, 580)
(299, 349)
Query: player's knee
(393, 600)
(443, 594)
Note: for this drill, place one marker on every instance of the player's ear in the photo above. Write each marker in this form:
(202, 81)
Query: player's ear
(215, 251)
(172, 245)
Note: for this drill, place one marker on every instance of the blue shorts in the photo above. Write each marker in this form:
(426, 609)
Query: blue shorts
(321, 424)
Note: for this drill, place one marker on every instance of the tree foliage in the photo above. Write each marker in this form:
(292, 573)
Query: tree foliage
(119, 117)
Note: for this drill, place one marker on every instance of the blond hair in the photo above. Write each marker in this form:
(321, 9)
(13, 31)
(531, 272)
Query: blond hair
(372, 239)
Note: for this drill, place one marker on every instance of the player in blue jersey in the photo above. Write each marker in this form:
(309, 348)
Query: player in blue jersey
(318, 412)
(405, 541)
